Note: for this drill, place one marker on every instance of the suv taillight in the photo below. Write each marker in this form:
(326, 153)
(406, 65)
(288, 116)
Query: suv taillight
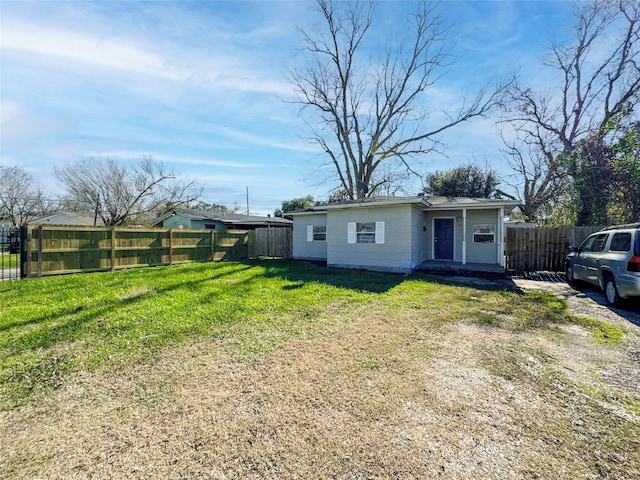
(634, 264)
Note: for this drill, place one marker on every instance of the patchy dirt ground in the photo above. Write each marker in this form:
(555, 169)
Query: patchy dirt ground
(584, 301)
(587, 301)
(381, 392)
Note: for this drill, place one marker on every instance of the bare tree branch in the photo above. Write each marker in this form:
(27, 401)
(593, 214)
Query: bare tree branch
(367, 113)
(20, 198)
(120, 194)
(598, 81)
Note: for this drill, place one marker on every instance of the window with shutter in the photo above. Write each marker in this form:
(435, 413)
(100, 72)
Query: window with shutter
(379, 232)
(351, 232)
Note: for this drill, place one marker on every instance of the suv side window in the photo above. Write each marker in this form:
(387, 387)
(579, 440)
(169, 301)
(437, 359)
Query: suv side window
(595, 243)
(587, 244)
(621, 242)
(598, 244)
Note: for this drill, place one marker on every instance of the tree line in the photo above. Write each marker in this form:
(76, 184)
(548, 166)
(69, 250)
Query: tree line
(109, 191)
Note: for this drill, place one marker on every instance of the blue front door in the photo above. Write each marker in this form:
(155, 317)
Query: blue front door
(443, 239)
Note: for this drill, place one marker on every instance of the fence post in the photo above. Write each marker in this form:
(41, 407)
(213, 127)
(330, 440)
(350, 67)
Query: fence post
(113, 248)
(39, 261)
(171, 246)
(25, 269)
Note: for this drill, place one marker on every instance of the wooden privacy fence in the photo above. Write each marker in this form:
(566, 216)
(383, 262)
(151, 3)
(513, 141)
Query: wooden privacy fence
(542, 249)
(274, 242)
(59, 249)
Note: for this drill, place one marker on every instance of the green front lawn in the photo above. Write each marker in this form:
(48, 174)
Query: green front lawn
(279, 369)
(55, 325)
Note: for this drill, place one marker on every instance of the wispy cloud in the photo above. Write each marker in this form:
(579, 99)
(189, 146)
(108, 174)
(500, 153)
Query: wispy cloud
(75, 46)
(264, 141)
(176, 159)
(73, 49)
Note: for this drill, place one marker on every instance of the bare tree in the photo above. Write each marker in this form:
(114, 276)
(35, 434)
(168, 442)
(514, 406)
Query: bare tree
(363, 112)
(598, 81)
(20, 198)
(118, 194)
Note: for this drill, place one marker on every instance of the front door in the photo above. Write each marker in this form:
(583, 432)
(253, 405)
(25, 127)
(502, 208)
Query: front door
(443, 239)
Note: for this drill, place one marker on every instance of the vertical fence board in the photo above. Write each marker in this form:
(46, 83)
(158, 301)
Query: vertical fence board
(29, 247)
(39, 258)
(58, 249)
(273, 242)
(542, 249)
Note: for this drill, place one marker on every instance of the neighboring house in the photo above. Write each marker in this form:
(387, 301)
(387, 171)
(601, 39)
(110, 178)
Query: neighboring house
(67, 218)
(204, 219)
(401, 234)
(518, 224)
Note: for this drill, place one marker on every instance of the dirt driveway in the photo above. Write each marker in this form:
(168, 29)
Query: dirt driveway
(585, 301)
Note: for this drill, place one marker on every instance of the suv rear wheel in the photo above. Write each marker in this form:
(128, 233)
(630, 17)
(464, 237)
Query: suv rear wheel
(611, 291)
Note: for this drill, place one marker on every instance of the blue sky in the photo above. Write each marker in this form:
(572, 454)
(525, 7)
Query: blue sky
(202, 87)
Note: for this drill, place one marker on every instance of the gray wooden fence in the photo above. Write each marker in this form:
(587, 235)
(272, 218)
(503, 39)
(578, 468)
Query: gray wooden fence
(542, 249)
(274, 242)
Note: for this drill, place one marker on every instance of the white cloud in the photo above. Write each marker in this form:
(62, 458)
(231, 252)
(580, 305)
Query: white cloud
(96, 50)
(265, 142)
(176, 159)
(75, 49)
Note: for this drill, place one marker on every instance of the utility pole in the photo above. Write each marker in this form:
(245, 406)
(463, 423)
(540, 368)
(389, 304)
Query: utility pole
(247, 200)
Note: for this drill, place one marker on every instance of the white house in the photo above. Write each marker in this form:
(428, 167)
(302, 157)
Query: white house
(400, 234)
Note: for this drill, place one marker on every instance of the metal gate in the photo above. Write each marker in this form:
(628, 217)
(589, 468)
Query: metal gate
(10, 252)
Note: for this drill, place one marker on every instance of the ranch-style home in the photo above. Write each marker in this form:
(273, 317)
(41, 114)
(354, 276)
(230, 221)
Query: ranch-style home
(400, 234)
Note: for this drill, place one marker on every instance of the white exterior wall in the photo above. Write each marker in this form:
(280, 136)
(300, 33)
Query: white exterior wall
(419, 236)
(408, 237)
(394, 255)
(303, 249)
(476, 252)
(482, 252)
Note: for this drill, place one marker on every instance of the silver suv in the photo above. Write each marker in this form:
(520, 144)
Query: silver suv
(609, 259)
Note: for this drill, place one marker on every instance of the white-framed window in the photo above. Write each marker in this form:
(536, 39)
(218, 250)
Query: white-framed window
(484, 234)
(365, 232)
(316, 233)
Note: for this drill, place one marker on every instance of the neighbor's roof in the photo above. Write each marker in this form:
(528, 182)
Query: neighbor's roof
(58, 218)
(424, 202)
(226, 218)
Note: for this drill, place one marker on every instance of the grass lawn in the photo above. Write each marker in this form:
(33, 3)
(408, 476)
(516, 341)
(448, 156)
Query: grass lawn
(9, 260)
(280, 369)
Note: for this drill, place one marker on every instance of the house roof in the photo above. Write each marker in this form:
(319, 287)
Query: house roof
(57, 218)
(423, 202)
(225, 218)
